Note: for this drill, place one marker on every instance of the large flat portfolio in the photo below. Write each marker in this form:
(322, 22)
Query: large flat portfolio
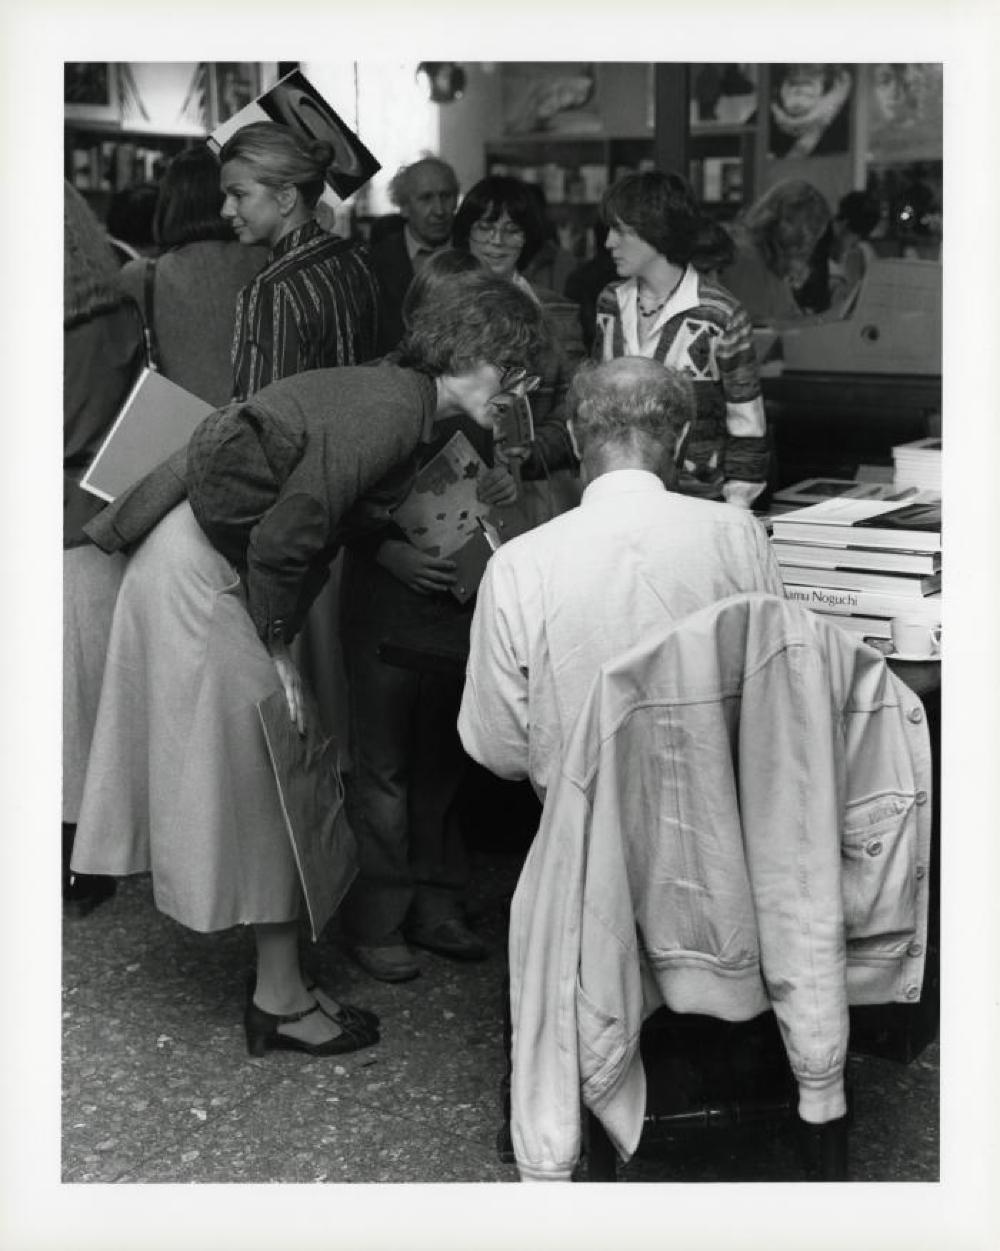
(893, 327)
(156, 420)
(307, 771)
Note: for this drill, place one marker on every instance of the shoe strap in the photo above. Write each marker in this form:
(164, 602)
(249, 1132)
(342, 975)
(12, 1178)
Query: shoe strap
(292, 1017)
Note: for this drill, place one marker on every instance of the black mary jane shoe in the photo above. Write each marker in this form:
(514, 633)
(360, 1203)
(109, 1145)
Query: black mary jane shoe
(349, 1013)
(263, 1034)
(346, 1014)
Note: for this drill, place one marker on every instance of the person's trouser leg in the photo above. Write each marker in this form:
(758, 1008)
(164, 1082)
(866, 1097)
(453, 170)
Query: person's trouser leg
(381, 704)
(438, 860)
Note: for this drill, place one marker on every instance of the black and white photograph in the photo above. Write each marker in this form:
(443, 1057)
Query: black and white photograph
(512, 719)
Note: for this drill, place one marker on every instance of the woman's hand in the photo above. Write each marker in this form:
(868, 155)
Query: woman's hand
(291, 682)
(418, 570)
(496, 486)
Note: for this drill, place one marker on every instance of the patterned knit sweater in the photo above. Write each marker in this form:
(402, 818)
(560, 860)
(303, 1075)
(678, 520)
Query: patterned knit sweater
(706, 334)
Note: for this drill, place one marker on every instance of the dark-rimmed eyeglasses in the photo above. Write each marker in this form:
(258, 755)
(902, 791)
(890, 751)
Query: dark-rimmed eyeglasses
(515, 378)
(505, 232)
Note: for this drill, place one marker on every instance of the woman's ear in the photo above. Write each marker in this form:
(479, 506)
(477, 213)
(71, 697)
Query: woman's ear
(287, 197)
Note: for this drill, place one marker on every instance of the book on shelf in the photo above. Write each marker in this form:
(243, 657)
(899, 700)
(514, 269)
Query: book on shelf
(293, 101)
(865, 603)
(851, 556)
(863, 580)
(912, 526)
(156, 420)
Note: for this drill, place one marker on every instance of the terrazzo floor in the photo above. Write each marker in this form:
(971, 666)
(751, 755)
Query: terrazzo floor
(157, 1085)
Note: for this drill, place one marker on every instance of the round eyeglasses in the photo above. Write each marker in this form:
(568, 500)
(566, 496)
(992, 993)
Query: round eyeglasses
(505, 232)
(515, 378)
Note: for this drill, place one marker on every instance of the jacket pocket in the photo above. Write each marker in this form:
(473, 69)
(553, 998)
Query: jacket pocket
(878, 862)
(602, 1041)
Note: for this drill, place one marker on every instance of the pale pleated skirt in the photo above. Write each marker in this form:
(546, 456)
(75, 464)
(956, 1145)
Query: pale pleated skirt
(179, 782)
(90, 586)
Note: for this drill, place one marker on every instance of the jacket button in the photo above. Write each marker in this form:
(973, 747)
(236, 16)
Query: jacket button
(916, 715)
(912, 992)
(874, 848)
(921, 797)
(921, 872)
(914, 949)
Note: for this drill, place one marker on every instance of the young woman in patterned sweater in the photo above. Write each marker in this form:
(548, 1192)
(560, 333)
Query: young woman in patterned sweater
(664, 308)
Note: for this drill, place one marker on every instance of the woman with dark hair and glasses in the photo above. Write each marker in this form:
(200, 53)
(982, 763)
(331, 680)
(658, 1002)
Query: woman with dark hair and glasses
(664, 308)
(188, 293)
(500, 222)
(315, 304)
(180, 782)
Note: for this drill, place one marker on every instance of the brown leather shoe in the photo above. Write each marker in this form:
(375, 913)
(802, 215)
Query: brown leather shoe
(388, 964)
(451, 938)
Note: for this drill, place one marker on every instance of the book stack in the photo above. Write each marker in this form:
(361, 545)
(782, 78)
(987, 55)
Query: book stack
(864, 561)
(918, 464)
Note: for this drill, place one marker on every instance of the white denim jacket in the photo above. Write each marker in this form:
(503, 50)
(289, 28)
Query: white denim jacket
(742, 821)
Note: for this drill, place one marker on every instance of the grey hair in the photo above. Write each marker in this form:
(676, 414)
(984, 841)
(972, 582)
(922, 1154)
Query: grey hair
(630, 401)
(399, 184)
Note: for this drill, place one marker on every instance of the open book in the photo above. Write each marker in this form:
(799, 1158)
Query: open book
(293, 101)
(443, 515)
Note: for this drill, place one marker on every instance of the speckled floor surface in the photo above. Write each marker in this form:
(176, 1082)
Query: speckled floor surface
(158, 1087)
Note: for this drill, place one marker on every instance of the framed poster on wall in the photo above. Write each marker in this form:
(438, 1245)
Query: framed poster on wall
(810, 110)
(233, 85)
(723, 95)
(550, 97)
(90, 91)
(904, 107)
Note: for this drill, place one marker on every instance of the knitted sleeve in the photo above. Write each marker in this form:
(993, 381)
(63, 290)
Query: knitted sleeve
(746, 454)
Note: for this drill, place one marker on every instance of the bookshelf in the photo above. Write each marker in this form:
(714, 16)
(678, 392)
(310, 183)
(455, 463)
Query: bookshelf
(102, 158)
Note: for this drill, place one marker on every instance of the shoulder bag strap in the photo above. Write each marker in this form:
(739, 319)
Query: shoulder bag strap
(149, 291)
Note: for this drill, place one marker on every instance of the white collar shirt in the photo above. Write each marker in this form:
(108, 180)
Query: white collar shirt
(558, 602)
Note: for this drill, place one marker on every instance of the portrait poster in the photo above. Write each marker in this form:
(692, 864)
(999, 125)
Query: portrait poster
(550, 97)
(234, 85)
(905, 109)
(293, 101)
(809, 111)
(722, 95)
(90, 91)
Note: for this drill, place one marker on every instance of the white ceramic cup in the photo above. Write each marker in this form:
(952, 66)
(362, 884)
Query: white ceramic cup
(915, 638)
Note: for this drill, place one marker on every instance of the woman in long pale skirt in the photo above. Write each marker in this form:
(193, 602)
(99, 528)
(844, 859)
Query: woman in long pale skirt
(180, 782)
(102, 356)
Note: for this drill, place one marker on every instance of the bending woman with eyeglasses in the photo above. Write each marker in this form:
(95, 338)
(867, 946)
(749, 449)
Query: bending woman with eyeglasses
(180, 783)
(408, 764)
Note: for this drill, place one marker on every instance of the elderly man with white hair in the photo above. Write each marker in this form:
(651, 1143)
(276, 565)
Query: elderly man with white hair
(558, 602)
(426, 194)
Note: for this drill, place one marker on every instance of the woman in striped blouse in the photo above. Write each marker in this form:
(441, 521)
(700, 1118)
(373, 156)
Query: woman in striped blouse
(314, 304)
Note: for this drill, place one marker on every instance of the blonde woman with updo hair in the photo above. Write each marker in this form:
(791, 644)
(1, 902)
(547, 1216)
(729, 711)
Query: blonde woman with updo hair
(314, 304)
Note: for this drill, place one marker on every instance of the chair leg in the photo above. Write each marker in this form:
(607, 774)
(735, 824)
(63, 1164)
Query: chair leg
(602, 1159)
(824, 1150)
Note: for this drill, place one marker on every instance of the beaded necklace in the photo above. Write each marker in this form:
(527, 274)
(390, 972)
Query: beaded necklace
(652, 312)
